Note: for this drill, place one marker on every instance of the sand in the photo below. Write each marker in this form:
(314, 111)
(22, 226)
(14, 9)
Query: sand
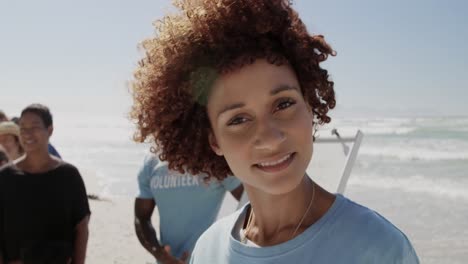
(112, 238)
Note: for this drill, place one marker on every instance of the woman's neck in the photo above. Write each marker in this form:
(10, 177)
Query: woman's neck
(37, 162)
(278, 218)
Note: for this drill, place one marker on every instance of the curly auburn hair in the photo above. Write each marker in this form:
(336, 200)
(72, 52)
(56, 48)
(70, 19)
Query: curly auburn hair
(205, 39)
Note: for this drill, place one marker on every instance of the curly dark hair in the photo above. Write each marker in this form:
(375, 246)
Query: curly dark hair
(205, 39)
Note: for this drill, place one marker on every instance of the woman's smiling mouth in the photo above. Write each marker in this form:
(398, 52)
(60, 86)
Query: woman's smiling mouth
(276, 165)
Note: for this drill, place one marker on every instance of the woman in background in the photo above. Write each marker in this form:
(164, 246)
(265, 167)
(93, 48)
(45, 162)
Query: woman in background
(43, 203)
(10, 140)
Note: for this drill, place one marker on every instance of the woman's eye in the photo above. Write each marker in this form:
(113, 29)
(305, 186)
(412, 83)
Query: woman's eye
(237, 121)
(285, 104)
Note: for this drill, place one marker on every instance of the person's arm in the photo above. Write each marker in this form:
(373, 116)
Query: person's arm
(144, 228)
(144, 207)
(80, 216)
(81, 241)
(147, 235)
(237, 192)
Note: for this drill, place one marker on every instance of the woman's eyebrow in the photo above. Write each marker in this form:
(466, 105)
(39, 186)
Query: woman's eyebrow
(231, 107)
(283, 87)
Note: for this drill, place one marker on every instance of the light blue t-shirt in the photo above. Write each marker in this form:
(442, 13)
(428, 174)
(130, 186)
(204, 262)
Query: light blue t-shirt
(187, 205)
(347, 234)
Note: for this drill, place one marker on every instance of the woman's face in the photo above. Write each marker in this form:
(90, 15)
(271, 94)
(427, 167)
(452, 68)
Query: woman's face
(34, 134)
(11, 145)
(262, 126)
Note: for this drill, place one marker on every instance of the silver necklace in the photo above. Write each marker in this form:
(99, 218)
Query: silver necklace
(249, 221)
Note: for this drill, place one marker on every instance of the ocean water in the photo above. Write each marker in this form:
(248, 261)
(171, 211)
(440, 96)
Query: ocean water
(419, 155)
(413, 171)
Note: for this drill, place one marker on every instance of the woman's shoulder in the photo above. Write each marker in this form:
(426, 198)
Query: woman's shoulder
(360, 215)
(65, 166)
(66, 172)
(370, 229)
(8, 169)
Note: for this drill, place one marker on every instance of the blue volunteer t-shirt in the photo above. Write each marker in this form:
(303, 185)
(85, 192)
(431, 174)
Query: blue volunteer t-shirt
(187, 205)
(347, 234)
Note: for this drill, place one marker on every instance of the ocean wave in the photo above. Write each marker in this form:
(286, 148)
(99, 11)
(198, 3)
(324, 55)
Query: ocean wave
(415, 184)
(388, 130)
(413, 153)
(351, 131)
(400, 126)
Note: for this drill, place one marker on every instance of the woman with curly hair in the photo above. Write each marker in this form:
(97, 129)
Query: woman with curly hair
(236, 87)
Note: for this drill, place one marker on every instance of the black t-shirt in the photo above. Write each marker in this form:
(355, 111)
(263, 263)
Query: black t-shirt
(39, 208)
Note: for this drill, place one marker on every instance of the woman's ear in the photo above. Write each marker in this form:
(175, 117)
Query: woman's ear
(214, 144)
(50, 130)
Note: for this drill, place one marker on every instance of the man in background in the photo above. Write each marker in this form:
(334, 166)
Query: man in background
(187, 207)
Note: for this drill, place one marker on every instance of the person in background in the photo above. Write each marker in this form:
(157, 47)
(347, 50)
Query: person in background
(15, 119)
(10, 140)
(187, 206)
(43, 199)
(51, 148)
(243, 94)
(4, 159)
(3, 116)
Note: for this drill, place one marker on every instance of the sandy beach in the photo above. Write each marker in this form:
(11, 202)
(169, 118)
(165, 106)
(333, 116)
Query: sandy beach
(112, 238)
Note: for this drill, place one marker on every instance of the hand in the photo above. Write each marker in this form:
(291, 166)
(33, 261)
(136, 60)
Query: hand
(168, 258)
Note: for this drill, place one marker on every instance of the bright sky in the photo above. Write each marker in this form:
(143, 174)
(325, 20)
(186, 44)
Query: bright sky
(397, 56)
